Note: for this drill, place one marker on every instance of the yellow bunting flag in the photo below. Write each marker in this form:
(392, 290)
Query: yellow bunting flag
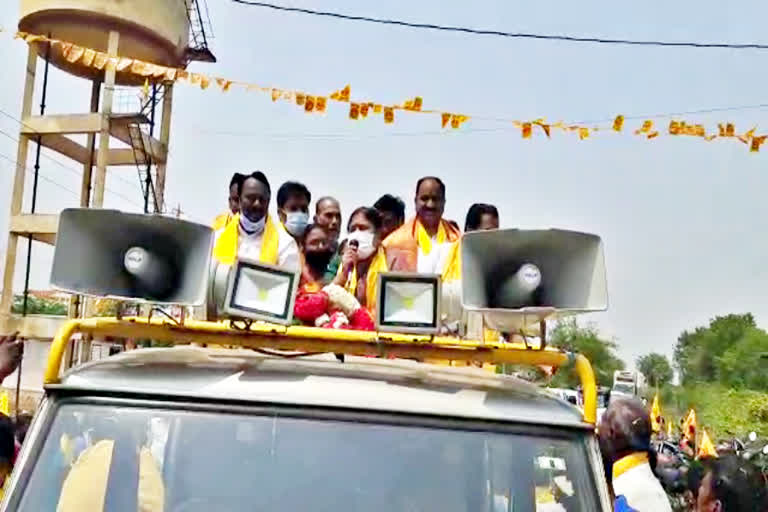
(309, 104)
(646, 128)
(730, 130)
(583, 133)
(320, 103)
(417, 101)
(706, 448)
(445, 118)
(276, 93)
(756, 143)
(618, 123)
(389, 115)
(377, 109)
(674, 127)
(354, 111)
(653, 135)
(344, 93)
(364, 110)
(224, 84)
(204, 82)
(527, 130)
(5, 407)
(300, 98)
(544, 127)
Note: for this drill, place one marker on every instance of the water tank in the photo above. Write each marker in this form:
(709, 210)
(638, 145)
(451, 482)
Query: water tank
(151, 30)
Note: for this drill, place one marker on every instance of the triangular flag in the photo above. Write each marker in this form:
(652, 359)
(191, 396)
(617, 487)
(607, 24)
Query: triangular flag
(656, 414)
(669, 429)
(706, 448)
(689, 426)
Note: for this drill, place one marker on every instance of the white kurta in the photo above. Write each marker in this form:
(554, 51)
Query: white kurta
(642, 489)
(434, 263)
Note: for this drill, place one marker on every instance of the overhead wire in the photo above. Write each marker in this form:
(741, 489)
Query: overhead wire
(499, 33)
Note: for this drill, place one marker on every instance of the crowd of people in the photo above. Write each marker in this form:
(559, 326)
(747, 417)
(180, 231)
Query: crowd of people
(722, 483)
(377, 238)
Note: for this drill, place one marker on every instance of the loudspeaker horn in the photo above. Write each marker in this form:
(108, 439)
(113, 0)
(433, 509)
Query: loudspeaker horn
(138, 257)
(517, 278)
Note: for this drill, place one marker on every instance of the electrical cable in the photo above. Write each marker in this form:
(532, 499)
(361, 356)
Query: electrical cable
(498, 33)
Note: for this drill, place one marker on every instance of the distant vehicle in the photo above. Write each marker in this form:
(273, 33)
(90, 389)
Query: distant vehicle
(569, 395)
(627, 383)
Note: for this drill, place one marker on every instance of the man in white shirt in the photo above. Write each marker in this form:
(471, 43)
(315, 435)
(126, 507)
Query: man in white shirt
(256, 236)
(625, 442)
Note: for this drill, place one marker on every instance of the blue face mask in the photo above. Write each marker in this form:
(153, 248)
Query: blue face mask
(296, 222)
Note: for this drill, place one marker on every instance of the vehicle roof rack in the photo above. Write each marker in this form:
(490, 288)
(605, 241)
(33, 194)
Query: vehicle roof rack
(322, 340)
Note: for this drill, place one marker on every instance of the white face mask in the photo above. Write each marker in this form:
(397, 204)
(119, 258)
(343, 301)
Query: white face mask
(251, 227)
(296, 222)
(364, 241)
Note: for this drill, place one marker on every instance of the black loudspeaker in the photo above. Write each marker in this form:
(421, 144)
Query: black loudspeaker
(151, 258)
(518, 277)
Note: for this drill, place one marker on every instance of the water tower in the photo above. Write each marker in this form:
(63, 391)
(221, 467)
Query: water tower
(166, 32)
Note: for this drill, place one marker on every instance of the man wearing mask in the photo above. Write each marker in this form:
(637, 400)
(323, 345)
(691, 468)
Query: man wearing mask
(253, 233)
(328, 216)
(293, 200)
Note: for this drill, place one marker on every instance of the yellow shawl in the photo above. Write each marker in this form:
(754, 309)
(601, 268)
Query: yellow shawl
(403, 246)
(378, 264)
(225, 249)
(221, 221)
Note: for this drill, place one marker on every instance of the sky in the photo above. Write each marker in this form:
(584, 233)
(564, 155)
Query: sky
(683, 221)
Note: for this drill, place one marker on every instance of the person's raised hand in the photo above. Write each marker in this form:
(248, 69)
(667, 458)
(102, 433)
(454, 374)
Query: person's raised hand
(348, 259)
(11, 352)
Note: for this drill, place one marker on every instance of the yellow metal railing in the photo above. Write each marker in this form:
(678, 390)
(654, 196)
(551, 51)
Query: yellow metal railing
(311, 339)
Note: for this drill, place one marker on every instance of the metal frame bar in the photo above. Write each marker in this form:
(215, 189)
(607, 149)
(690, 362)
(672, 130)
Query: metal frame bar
(311, 339)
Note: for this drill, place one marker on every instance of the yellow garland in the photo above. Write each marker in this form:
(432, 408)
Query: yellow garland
(360, 110)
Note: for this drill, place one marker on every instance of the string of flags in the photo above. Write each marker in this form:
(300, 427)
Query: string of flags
(359, 110)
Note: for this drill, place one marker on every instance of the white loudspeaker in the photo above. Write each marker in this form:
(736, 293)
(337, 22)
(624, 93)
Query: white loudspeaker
(151, 258)
(519, 277)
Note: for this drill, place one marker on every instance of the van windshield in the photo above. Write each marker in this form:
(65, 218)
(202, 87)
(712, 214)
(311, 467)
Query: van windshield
(118, 458)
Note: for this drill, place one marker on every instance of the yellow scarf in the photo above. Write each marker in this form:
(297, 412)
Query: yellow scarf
(221, 221)
(624, 464)
(226, 246)
(378, 264)
(424, 240)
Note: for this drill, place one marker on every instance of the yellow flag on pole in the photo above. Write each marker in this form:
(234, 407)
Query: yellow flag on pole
(656, 414)
(5, 406)
(669, 429)
(689, 426)
(706, 448)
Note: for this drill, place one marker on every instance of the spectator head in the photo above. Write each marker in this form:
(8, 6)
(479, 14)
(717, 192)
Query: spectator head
(234, 191)
(430, 202)
(316, 245)
(481, 217)
(732, 484)
(293, 200)
(328, 215)
(625, 428)
(392, 211)
(255, 194)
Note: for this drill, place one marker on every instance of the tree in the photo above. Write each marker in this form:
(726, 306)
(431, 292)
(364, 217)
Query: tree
(38, 306)
(741, 365)
(655, 368)
(696, 352)
(586, 340)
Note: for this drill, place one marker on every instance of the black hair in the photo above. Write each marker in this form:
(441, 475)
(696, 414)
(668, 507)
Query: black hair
(390, 203)
(475, 215)
(237, 179)
(433, 178)
(371, 214)
(7, 439)
(258, 176)
(291, 189)
(309, 229)
(738, 484)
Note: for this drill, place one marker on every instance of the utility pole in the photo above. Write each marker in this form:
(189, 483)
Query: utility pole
(177, 211)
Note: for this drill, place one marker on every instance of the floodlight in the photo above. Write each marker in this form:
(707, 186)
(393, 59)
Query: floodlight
(260, 292)
(408, 302)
